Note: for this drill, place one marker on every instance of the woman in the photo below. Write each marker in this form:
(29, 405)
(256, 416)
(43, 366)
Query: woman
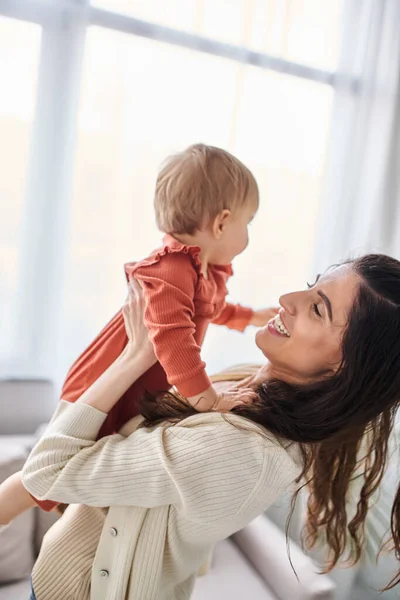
(331, 383)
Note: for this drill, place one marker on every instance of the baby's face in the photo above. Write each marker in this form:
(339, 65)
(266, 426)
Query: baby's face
(235, 234)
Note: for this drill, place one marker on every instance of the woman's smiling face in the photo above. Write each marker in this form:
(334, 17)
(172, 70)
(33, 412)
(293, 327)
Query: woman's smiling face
(304, 342)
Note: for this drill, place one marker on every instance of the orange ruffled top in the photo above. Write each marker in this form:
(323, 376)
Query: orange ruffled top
(180, 303)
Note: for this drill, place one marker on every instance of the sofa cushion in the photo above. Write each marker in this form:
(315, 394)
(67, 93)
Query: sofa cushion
(231, 577)
(25, 404)
(15, 591)
(16, 541)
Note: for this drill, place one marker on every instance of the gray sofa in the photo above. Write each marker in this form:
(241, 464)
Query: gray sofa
(252, 564)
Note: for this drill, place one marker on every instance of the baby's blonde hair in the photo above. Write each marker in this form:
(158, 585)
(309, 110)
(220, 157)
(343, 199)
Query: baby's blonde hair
(195, 185)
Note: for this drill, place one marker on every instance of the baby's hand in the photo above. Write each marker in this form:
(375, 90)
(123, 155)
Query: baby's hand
(226, 402)
(261, 317)
(233, 398)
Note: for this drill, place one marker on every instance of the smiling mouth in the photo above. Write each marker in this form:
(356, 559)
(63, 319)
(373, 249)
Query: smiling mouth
(279, 326)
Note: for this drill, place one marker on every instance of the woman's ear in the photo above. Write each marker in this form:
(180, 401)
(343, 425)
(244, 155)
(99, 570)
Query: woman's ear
(220, 222)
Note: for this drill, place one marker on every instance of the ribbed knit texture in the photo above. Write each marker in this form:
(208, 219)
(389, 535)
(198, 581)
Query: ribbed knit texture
(173, 492)
(180, 304)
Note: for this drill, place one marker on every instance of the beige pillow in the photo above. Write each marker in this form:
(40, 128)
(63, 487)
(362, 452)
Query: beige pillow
(16, 541)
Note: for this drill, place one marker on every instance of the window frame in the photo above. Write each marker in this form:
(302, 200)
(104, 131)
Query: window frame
(45, 225)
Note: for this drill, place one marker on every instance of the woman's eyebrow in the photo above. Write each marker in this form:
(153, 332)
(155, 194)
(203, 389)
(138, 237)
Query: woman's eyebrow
(327, 303)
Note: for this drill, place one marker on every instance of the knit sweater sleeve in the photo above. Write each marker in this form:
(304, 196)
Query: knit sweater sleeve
(208, 469)
(169, 287)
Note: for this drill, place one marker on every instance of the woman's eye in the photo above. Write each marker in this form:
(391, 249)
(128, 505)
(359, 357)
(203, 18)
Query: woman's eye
(316, 310)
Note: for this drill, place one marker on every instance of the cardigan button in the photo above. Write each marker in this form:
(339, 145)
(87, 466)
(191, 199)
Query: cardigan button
(113, 532)
(104, 573)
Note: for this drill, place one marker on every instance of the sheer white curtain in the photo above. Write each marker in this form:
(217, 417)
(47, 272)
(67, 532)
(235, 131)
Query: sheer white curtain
(361, 200)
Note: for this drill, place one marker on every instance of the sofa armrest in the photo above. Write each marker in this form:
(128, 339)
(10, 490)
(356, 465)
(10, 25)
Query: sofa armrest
(264, 545)
(16, 547)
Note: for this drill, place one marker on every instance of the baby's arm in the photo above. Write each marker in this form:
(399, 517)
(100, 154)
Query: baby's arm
(169, 288)
(235, 316)
(14, 499)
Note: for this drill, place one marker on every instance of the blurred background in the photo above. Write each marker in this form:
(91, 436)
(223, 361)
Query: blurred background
(94, 95)
(93, 101)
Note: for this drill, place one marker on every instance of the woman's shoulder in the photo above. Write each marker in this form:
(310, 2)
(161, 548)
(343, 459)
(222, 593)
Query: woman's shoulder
(246, 433)
(213, 432)
(237, 453)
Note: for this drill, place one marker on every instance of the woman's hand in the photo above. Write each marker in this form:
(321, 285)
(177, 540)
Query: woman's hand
(137, 332)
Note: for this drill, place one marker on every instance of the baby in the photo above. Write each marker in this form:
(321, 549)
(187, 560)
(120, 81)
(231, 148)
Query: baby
(205, 199)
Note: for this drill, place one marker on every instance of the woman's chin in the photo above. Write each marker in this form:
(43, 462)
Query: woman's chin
(261, 338)
(269, 343)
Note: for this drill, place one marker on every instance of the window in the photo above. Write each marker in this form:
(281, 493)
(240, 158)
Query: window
(304, 31)
(19, 58)
(144, 92)
(143, 100)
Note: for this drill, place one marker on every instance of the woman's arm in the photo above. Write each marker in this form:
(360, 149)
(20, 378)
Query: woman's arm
(186, 465)
(103, 394)
(14, 499)
(136, 358)
(165, 465)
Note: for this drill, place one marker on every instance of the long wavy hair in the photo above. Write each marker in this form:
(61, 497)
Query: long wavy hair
(342, 424)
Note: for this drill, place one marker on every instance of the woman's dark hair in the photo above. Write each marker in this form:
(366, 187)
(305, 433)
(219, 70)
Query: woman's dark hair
(342, 423)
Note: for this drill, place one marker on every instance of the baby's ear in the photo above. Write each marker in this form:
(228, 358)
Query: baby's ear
(220, 222)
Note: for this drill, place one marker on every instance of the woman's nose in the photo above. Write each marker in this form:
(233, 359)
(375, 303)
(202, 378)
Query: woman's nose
(288, 302)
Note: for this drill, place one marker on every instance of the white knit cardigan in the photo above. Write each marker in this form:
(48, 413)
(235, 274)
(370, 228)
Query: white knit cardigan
(173, 492)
